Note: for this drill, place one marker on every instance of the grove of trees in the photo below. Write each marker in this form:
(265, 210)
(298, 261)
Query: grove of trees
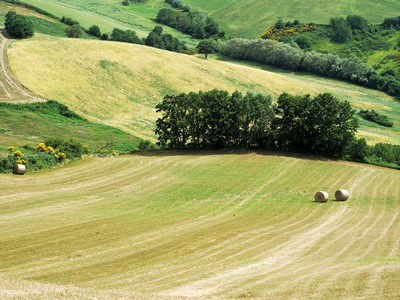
(320, 125)
(157, 39)
(215, 119)
(18, 26)
(195, 22)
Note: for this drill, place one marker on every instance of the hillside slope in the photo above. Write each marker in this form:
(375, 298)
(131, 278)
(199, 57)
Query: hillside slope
(110, 14)
(224, 224)
(119, 84)
(250, 18)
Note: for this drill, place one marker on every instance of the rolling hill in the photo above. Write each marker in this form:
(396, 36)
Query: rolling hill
(239, 18)
(197, 225)
(109, 14)
(249, 18)
(119, 84)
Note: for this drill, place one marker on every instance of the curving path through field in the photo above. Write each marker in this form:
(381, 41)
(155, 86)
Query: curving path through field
(201, 225)
(11, 89)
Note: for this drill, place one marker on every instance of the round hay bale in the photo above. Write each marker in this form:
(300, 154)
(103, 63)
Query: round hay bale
(321, 196)
(19, 169)
(342, 195)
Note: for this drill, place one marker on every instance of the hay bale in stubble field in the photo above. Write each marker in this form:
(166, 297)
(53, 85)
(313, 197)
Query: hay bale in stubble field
(19, 169)
(321, 196)
(342, 195)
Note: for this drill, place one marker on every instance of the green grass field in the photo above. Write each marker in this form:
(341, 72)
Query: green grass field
(238, 18)
(119, 84)
(42, 24)
(109, 14)
(250, 18)
(171, 225)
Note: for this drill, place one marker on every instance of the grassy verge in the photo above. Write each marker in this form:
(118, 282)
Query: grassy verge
(30, 124)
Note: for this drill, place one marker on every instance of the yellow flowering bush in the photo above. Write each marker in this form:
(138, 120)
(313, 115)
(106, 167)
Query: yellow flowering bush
(17, 153)
(41, 147)
(20, 161)
(62, 156)
(86, 149)
(49, 149)
(273, 33)
(11, 149)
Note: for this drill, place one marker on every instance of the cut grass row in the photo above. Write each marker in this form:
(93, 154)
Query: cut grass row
(203, 224)
(119, 84)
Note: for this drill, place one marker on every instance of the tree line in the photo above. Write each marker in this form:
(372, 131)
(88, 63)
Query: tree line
(291, 57)
(156, 38)
(321, 125)
(195, 22)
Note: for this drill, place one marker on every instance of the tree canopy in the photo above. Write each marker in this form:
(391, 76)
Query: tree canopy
(320, 125)
(18, 26)
(206, 47)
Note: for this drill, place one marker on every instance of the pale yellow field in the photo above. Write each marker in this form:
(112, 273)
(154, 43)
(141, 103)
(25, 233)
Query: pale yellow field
(200, 225)
(119, 84)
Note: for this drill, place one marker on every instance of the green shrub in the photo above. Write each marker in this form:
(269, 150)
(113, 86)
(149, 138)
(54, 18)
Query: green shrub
(373, 116)
(73, 149)
(145, 145)
(95, 31)
(69, 21)
(34, 162)
(74, 31)
(304, 42)
(357, 150)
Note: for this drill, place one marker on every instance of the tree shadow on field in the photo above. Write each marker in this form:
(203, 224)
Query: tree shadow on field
(271, 153)
(4, 32)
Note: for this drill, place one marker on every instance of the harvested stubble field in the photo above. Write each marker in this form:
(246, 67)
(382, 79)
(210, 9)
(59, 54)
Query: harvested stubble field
(200, 225)
(119, 84)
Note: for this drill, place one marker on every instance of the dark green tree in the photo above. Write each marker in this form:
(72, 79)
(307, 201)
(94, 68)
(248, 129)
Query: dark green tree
(94, 30)
(320, 125)
(304, 42)
(158, 30)
(18, 26)
(357, 150)
(206, 47)
(357, 22)
(126, 36)
(341, 31)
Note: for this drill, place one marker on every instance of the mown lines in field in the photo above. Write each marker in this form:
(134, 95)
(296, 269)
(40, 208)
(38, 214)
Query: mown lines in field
(203, 224)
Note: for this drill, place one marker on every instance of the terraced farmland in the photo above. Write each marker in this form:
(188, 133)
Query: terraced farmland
(119, 84)
(170, 225)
